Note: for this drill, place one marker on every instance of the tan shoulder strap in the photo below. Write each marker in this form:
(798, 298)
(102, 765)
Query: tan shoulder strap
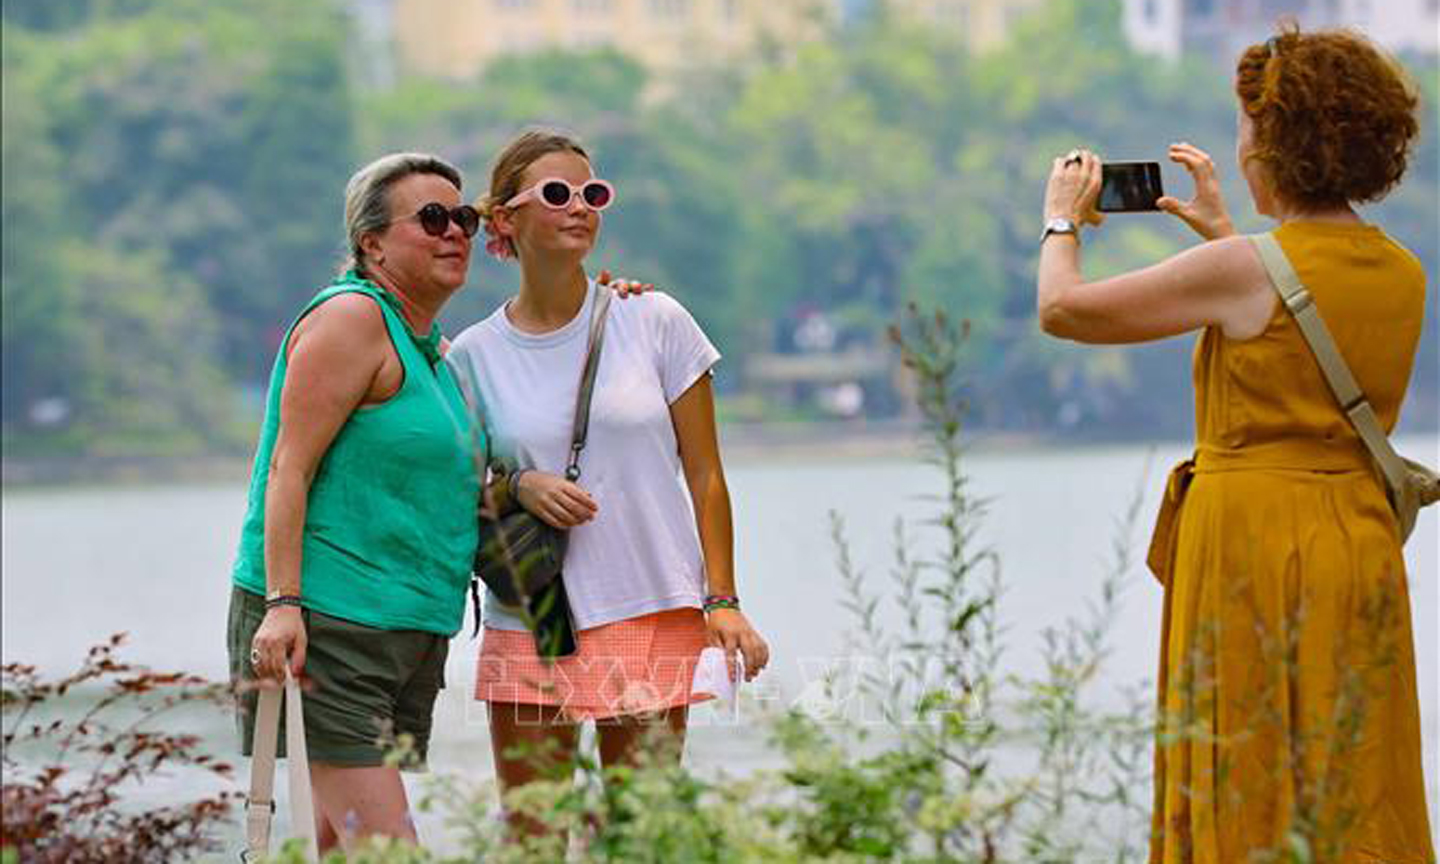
(1297, 299)
(260, 808)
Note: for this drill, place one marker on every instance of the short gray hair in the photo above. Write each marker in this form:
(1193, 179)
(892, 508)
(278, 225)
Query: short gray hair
(367, 196)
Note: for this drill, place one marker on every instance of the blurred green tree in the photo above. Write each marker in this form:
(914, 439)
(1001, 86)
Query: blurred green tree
(194, 150)
(38, 296)
(197, 150)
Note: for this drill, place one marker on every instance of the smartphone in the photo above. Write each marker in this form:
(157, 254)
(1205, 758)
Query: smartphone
(1129, 187)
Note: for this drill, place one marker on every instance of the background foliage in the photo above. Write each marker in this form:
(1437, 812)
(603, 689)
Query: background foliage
(173, 173)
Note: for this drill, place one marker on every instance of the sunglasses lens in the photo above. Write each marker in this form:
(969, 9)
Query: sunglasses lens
(597, 195)
(555, 193)
(468, 218)
(434, 219)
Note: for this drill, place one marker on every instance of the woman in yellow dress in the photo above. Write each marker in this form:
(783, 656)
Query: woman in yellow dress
(1288, 716)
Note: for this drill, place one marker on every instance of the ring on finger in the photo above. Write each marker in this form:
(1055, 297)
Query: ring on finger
(254, 656)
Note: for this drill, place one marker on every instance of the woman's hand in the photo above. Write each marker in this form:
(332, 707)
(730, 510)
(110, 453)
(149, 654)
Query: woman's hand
(1074, 189)
(280, 636)
(555, 500)
(623, 288)
(729, 630)
(1205, 213)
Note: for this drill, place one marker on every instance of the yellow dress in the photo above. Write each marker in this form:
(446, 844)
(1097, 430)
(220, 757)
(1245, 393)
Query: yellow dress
(1288, 709)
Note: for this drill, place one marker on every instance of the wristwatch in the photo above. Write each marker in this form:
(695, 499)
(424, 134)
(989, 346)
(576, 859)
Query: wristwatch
(1059, 225)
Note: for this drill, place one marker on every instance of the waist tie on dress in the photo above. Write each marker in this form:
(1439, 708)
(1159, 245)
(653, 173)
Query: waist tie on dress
(1299, 454)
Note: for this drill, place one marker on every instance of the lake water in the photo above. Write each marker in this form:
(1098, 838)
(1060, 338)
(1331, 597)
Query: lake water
(80, 564)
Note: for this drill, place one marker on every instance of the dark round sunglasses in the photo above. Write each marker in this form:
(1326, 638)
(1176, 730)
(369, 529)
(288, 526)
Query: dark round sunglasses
(435, 219)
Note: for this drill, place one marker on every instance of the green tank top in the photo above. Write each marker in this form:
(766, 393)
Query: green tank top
(390, 524)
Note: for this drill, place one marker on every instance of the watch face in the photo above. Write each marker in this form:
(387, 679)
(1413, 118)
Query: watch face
(1059, 225)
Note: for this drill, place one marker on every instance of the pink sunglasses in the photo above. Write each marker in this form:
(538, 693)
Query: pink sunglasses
(558, 194)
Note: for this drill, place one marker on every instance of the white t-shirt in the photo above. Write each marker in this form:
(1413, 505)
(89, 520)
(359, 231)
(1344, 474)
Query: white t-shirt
(641, 552)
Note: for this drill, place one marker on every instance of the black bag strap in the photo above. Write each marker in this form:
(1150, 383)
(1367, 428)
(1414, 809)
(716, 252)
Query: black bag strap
(587, 381)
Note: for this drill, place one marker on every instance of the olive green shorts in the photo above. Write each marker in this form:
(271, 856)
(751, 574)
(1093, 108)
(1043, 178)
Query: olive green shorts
(366, 687)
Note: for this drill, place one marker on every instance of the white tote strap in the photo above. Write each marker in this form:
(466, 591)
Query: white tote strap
(1352, 400)
(302, 809)
(260, 808)
(261, 804)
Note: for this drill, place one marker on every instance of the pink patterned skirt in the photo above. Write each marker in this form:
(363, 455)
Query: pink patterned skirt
(637, 666)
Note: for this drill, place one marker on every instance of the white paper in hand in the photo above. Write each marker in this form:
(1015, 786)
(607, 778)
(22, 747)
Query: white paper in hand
(713, 678)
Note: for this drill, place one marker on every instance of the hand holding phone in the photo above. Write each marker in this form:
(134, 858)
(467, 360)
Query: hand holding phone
(1130, 187)
(1205, 213)
(1073, 189)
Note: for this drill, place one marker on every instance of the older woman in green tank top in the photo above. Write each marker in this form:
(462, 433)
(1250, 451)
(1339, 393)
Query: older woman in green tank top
(357, 545)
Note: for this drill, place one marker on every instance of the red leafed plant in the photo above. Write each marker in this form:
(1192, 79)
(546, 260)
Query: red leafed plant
(65, 771)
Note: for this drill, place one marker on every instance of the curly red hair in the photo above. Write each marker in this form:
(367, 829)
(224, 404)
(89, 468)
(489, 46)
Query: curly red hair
(1334, 117)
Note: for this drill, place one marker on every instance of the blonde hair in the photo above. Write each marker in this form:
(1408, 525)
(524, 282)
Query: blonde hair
(510, 167)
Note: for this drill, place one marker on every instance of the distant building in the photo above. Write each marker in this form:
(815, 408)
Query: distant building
(457, 38)
(982, 24)
(1222, 28)
(373, 65)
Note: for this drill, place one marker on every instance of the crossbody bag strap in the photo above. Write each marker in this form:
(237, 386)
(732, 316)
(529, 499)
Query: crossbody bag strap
(587, 381)
(1301, 305)
(260, 808)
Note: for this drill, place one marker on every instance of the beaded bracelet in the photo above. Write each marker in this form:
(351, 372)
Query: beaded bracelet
(721, 601)
(282, 600)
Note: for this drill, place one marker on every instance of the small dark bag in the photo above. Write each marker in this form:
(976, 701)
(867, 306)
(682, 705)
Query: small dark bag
(520, 557)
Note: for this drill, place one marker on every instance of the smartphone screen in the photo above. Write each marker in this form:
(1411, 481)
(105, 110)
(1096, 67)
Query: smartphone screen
(1129, 187)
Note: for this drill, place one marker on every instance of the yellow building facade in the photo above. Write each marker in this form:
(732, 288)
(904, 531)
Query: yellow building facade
(457, 38)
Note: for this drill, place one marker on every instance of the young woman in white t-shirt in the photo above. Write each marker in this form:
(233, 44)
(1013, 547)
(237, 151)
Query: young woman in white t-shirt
(649, 567)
